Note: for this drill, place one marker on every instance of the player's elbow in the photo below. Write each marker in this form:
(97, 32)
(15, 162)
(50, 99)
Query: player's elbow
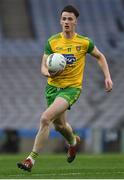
(101, 58)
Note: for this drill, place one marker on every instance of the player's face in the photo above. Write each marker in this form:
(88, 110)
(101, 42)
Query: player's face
(68, 22)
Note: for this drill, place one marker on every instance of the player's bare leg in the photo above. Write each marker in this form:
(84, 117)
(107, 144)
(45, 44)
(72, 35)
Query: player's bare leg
(66, 130)
(58, 107)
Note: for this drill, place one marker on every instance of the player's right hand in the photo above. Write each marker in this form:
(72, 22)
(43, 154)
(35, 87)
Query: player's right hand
(46, 73)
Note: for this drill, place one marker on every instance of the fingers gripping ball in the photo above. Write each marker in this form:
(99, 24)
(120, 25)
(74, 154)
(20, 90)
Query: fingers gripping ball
(56, 62)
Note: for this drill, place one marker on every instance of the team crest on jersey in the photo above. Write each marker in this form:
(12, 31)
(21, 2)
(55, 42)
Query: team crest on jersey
(70, 59)
(78, 48)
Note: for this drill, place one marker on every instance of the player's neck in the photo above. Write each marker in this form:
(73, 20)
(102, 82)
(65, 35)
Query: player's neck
(68, 35)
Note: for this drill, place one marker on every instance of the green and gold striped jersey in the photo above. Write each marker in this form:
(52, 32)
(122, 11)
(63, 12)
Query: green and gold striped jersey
(75, 51)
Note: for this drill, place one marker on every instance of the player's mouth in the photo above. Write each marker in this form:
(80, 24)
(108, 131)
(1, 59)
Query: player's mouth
(66, 27)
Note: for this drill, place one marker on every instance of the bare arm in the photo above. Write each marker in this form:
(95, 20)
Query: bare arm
(104, 66)
(44, 69)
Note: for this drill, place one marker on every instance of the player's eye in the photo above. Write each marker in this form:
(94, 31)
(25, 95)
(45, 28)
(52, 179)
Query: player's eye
(69, 19)
(64, 18)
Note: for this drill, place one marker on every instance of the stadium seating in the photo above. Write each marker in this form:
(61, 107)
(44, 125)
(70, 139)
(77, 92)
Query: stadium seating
(22, 98)
(99, 20)
(22, 86)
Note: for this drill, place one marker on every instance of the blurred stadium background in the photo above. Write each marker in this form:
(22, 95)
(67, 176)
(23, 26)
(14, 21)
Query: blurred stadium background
(98, 116)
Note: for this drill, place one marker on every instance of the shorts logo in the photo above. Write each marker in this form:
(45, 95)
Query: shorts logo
(70, 59)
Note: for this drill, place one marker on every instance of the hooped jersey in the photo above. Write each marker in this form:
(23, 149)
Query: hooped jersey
(75, 51)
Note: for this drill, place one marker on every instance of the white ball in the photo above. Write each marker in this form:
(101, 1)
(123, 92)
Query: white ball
(56, 62)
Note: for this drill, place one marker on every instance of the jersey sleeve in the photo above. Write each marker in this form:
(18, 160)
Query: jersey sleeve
(91, 46)
(48, 49)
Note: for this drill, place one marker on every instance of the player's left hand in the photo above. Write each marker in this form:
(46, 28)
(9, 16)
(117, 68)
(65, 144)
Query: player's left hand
(108, 84)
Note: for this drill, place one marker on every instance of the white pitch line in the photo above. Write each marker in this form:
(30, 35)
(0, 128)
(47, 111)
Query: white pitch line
(65, 174)
(52, 174)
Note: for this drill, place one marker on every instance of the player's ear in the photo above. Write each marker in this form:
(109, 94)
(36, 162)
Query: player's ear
(76, 21)
(60, 20)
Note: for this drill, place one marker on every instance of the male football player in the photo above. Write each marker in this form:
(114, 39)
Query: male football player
(64, 88)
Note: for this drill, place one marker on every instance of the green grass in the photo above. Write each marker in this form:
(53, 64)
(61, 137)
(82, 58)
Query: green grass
(55, 167)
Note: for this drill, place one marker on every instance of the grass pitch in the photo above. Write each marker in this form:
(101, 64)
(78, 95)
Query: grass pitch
(55, 167)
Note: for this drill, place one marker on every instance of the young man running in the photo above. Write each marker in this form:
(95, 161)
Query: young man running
(63, 89)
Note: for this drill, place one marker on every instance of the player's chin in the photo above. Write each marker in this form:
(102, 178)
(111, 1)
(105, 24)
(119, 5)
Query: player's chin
(67, 29)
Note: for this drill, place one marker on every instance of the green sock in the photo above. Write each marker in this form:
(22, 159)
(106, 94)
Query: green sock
(72, 141)
(33, 155)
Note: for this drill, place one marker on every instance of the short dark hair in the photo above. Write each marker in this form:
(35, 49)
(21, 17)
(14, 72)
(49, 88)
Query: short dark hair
(72, 9)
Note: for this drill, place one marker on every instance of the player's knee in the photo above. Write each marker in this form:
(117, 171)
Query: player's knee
(45, 121)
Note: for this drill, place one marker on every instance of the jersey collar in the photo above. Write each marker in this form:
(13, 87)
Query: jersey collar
(66, 38)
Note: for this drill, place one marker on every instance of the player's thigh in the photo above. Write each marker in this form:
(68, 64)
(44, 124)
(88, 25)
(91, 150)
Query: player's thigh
(58, 107)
